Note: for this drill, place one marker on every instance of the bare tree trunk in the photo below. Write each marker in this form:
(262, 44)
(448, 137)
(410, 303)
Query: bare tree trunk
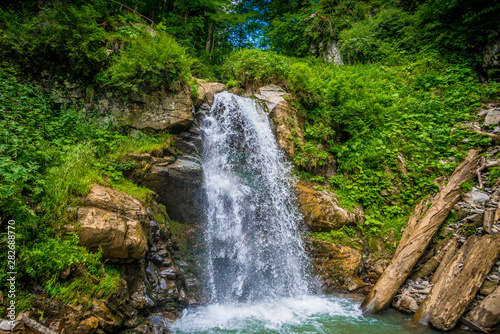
(434, 262)
(402, 264)
(423, 313)
(210, 37)
(412, 223)
(448, 256)
(462, 289)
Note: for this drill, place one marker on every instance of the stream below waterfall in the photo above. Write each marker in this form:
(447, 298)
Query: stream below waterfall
(255, 269)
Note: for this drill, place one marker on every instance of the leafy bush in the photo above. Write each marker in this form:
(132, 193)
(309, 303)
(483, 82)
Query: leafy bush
(393, 130)
(152, 59)
(70, 37)
(255, 66)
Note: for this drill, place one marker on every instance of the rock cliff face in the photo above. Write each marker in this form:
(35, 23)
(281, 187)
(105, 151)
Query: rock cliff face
(288, 122)
(115, 222)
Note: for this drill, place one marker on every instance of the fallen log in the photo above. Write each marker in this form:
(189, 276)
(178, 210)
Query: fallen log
(412, 223)
(434, 261)
(487, 313)
(448, 256)
(462, 289)
(424, 230)
(445, 277)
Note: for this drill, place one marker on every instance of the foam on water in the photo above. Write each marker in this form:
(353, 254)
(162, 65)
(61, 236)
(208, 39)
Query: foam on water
(276, 316)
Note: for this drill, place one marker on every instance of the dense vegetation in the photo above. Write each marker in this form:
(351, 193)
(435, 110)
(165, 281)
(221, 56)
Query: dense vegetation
(410, 79)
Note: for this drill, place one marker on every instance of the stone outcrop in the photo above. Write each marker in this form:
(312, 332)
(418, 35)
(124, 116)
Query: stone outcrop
(288, 123)
(330, 52)
(336, 266)
(158, 110)
(491, 56)
(113, 221)
(321, 210)
(175, 175)
(206, 92)
(161, 109)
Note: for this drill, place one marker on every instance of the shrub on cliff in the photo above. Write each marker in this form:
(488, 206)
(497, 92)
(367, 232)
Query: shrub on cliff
(151, 59)
(249, 66)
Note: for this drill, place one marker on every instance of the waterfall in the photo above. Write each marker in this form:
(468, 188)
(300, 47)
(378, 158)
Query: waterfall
(254, 250)
(255, 276)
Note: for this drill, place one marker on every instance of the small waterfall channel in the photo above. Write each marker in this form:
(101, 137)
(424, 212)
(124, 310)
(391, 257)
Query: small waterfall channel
(255, 266)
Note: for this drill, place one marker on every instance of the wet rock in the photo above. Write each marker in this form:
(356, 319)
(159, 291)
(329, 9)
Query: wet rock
(157, 323)
(405, 303)
(334, 264)
(375, 269)
(139, 297)
(87, 326)
(287, 121)
(113, 221)
(354, 284)
(178, 184)
(321, 210)
(170, 273)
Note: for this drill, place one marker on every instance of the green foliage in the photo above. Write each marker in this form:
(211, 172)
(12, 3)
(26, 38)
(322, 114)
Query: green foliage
(494, 174)
(69, 36)
(47, 259)
(81, 289)
(48, 158)
(149, 61)
(346, 235)
(249, 66)
(466, 186)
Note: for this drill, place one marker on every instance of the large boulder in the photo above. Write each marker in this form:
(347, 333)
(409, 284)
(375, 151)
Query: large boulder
(114, 221)
(206, 92)
(336, 266)
(161, 109)
(321, 210)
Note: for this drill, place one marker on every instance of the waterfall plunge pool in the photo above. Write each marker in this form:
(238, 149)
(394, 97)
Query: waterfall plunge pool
(308, 314)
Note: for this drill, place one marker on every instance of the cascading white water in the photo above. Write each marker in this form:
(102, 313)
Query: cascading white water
(256, 280)
(254, 250)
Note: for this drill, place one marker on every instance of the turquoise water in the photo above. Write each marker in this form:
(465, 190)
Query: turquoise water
(307, 314)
